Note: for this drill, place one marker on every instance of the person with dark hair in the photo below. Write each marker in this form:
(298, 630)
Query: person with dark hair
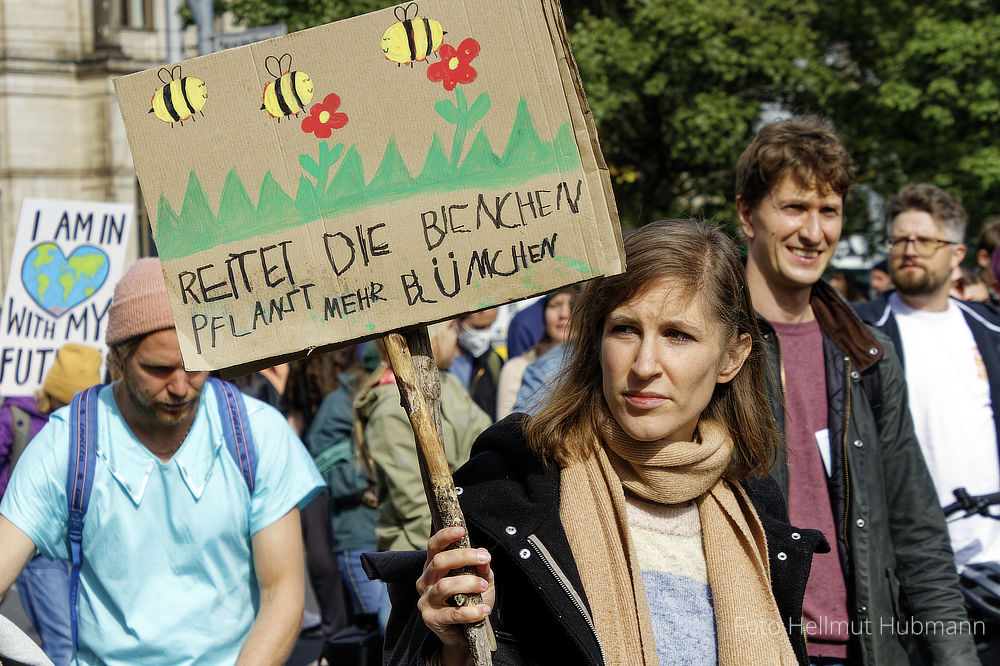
(988, 256)
(273, 385)
(967, 284)
(352, 491)
(880, 279)
(853, 467)
(950, 352)
(846, 282)
(188, 553)
(630, 521)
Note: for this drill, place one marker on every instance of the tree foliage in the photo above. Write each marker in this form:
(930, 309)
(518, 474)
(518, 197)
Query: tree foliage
(919, 100)
(677, 90)
(679, 86)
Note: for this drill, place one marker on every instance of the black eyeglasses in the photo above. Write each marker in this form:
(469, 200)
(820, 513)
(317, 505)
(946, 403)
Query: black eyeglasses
(924, 247)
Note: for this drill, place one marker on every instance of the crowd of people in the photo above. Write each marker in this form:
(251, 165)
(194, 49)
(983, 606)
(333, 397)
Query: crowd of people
(707, 459)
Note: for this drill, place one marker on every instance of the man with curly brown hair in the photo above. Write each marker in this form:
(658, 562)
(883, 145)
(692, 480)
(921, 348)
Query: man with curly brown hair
(853, 467)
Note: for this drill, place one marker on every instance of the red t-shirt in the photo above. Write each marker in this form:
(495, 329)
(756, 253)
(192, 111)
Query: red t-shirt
(824, 608)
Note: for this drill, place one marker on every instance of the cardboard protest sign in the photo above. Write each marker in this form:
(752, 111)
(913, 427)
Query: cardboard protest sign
(401, 167)
(67, 258)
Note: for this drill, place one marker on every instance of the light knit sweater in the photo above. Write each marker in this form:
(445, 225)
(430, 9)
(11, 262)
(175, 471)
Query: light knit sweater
(669, 548)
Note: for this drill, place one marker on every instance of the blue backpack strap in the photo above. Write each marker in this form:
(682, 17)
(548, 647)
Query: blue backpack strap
(236, 428)
(79, 481)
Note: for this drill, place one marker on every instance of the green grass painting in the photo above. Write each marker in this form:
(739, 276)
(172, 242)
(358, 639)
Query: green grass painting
(196, 227)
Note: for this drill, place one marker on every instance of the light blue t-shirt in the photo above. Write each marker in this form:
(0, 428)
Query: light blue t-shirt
(167, 573)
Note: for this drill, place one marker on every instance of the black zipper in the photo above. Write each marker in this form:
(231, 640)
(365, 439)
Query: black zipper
(557, 573)
(784, 403)
(847, 420)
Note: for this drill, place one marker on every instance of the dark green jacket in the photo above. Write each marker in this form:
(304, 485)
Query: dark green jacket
(352, 520)
(891, 535)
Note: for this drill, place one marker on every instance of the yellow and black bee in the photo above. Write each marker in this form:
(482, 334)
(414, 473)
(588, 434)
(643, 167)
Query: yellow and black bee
(180, 97)
(290, 91)
(411, 38)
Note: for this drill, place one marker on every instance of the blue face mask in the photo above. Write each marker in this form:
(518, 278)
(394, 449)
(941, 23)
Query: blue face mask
(475, 341)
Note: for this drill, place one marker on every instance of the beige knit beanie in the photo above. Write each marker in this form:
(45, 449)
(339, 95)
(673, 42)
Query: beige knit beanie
(140, 304)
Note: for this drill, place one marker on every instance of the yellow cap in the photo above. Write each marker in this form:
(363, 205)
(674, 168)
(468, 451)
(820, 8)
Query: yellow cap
(77, 367)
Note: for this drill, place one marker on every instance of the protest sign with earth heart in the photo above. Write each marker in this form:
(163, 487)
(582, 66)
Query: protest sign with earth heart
(67, 258)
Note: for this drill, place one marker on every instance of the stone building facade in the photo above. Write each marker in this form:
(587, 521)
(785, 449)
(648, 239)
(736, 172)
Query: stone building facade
(61, 134)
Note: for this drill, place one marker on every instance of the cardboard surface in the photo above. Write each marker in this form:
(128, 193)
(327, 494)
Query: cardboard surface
(68, 256)
(396, 168)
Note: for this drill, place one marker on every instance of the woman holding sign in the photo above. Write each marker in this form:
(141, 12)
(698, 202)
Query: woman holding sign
(630, 520)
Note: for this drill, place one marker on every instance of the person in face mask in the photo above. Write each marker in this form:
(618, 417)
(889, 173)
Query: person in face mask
(476, 363)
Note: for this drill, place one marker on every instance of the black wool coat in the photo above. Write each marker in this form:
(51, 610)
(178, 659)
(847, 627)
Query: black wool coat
(510, 498)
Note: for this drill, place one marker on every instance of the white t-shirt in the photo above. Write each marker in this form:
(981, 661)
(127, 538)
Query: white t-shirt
(953, 418)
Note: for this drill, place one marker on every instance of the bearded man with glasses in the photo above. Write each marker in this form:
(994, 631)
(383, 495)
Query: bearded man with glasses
(951, 355)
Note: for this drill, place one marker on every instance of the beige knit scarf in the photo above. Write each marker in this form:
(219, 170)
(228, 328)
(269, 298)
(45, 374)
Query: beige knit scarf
(592, 509)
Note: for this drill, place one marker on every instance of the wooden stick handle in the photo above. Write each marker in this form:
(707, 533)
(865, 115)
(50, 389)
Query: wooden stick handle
(435, 472)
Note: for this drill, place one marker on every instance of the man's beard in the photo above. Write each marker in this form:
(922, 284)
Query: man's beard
(163, 418)
(917, 283)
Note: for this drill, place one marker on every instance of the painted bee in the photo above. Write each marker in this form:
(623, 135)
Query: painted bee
(290, 92)
(180, 97)
(411, 38)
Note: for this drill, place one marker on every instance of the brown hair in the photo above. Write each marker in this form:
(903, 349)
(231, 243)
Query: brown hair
(547, 343)
(704, 262)
(946, 209)
(120, 354)
(803, 146)
(989, 235)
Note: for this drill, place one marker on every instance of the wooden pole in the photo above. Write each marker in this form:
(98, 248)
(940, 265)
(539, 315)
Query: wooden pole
(416, 373)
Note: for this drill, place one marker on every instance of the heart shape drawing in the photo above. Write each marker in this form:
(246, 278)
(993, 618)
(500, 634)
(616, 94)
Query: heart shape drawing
(59, 283)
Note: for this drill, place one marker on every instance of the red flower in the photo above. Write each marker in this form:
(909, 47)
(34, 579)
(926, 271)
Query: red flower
(455, 66)
(323, 119)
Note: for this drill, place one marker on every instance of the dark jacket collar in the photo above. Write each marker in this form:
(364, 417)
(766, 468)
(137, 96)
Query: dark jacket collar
(843, 327)
(512, 484)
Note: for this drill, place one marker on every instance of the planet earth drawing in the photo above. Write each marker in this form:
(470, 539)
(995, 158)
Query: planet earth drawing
(57, 282)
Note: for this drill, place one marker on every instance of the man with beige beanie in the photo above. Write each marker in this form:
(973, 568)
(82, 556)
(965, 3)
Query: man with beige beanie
(184, 560)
